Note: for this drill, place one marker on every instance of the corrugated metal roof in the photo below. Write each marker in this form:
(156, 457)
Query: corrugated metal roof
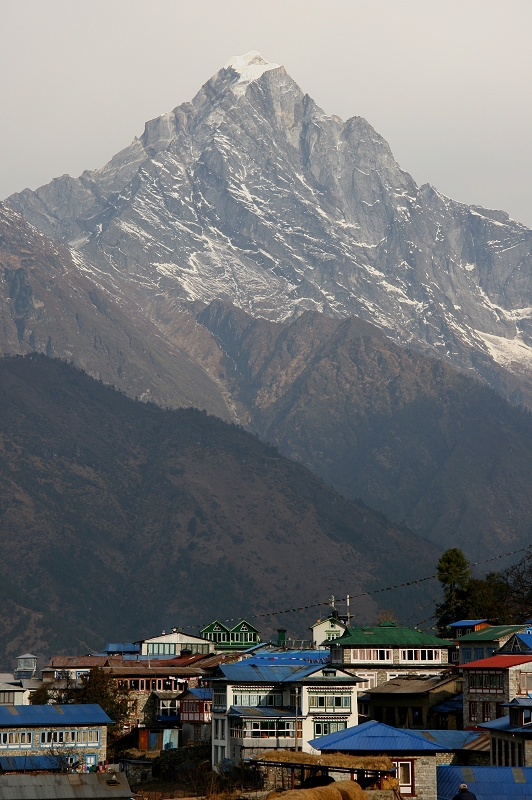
(28, 763)
(250, 671)
(452, 704)
(307, 657)
(461, 623)
(503, 724)
(375, 737)
(202, 694)
(487, 783)
(498, 662)
(410, 685)
(53, 715)
(387, 633)
(453, 740)
(491, 633)
(64, 787)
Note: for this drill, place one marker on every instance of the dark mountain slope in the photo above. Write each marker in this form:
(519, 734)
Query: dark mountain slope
(117, 517)
(48, 305)
(408, 434)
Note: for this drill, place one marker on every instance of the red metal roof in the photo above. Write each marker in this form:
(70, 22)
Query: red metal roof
(497, 662)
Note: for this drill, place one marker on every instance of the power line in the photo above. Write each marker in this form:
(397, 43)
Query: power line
(361, 594)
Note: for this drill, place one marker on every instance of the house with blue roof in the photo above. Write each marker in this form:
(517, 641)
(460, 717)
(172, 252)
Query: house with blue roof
(511, 734)
(416, 754)
(195, 714)
(71, 734)
(268, 700)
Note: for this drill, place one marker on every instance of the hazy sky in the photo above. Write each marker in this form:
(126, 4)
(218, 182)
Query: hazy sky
(448, 84)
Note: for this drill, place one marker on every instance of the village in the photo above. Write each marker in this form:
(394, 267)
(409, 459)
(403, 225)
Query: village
(399, 711)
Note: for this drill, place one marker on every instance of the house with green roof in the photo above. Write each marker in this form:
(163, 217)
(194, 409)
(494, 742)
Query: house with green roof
(240, 637)
(380, 653)
(485, 642)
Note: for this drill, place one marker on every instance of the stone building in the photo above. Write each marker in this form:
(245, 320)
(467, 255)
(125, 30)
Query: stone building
(490, 683)
(408, 702)
(73, 734)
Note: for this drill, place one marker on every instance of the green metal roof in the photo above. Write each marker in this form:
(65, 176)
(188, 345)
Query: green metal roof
(491, 633)
(388, 633)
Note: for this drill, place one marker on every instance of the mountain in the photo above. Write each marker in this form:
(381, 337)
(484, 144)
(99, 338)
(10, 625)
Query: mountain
(251, 193)
(428, 446)
(48, 305)
(118, 517)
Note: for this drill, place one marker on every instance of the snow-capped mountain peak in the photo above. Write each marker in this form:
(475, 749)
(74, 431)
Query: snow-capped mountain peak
(278, 207)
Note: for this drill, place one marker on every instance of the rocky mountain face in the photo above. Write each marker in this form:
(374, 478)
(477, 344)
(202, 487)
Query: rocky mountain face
(251, 193)
(48, 305)
(409, 435)
(119, 516)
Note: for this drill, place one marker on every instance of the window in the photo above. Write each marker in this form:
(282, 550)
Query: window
(454, 656)
(420, 655)
(389, 713)
(417, 715)
(216, 729)
(478, 653)
(270, 699)
(370, 680)
(405, 776)
(169, 708)
(473, 711)
(403, 716)
(15, 739)
(329, 702)
(215, 754)
(486, 712)
(484, 682)
(222, 729)
(73, 738)
(161, 648)
(222, 753)
(491, 651)
(219, 700)
(324, 728)
(336, 655)
(7, 698)
(526, 682)
(269, 729)
(466, 655)
(371, 655)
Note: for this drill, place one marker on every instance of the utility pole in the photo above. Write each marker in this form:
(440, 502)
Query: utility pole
(296, 718)
(348, 610)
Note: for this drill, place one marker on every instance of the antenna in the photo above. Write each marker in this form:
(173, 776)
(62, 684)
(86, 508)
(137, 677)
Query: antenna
(348, 599)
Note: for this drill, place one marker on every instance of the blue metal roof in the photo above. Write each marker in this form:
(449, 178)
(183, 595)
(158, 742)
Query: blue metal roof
(203, 694)
(121, 647)
(58, 716)
(371, 737)
(254, 671)
(487, 783)
(292, 657)
(462, 622)
(503, 724)
(28, 763)
(452, 740)
(452, 704)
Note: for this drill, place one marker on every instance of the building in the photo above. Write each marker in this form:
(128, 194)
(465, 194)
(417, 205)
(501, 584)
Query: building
(240, 637)
(409, 701)
(485, 642)
(17, 688)
(175, 643)
(195, 714)
(74, 734)
(511, 735)
(260, 704)
(387, 651)
(492, 682)
(518, 643)
(326, 630)
(466, 626)
(154, 686)
(415, 754)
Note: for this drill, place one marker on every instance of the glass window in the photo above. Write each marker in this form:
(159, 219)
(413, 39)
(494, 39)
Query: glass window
(404, 775)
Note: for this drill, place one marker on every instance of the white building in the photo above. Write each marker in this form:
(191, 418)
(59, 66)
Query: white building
(172, 644)
(265, 702)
